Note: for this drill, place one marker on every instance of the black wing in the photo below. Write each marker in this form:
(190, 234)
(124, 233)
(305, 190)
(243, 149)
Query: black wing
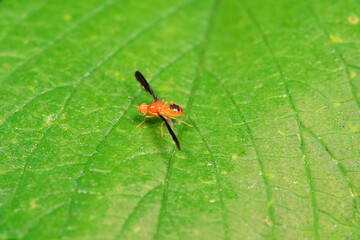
(141, 79)
(170, 131)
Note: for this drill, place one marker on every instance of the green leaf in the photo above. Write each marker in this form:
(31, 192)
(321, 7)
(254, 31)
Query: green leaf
(271, 87)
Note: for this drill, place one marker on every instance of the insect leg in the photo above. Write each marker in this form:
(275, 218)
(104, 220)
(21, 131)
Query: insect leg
(170, 123)
(144, 120)
(162, 133)
(168, 120)
(182, 121)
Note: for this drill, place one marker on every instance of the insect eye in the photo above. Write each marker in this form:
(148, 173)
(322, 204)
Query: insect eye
(175, 107)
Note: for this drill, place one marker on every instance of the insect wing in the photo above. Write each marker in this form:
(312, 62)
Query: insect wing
(170, 130)
(141, 79)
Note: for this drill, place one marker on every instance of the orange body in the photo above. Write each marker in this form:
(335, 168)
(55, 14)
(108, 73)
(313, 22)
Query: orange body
(159, 109)
(168, 110)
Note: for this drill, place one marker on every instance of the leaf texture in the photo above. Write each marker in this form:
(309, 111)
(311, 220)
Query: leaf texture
(271, 88)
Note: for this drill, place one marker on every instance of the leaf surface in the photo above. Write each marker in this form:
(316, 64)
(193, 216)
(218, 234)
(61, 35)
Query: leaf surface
(271, 88)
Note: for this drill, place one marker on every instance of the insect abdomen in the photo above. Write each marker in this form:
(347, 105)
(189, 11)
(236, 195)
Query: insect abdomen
(175, 107)
(175, 110)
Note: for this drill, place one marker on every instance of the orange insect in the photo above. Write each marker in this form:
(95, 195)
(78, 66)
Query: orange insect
(160, 109)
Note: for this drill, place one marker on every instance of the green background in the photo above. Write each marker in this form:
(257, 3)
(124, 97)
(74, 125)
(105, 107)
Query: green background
(271, 87)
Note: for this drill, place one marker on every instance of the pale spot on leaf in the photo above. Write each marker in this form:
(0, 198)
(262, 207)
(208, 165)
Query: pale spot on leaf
(268, 221)
(6, 66)
(65, 127)
(352, 74)
(63, 117)
(67, 17)
(33, 204)
(353, 20)
(335, 39)
(49, 119)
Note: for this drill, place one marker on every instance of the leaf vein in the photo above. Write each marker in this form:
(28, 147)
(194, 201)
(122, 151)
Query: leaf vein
(192, 93)
(297, 117)
(41, 217)
(257, 152)
(174, 10)
(132, 215)
(60, 36)
(33, 98)
(341, 56)
(219, 184)
(22, 18)
(27, 160)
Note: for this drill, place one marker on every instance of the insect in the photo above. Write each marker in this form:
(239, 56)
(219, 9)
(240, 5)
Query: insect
(160, 109)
